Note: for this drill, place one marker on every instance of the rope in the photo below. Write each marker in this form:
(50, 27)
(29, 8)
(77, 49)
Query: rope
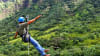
(28, 48)
(27, 19)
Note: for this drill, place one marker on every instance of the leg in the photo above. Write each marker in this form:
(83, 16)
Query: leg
(37, 46)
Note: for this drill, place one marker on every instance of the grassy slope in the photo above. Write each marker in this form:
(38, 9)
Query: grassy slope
(69, 35)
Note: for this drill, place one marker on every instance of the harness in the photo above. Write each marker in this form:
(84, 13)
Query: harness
(25, 38)
(26, 35)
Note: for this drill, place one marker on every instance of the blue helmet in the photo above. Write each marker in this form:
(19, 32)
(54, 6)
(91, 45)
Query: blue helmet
(21, 19)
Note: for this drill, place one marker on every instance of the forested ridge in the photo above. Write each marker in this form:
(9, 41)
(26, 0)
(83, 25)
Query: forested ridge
(67, 27)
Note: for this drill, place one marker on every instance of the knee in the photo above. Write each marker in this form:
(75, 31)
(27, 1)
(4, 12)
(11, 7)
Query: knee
(34, 42)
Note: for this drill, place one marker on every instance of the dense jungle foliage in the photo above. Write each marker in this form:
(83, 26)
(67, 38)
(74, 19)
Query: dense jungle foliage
(67, 27)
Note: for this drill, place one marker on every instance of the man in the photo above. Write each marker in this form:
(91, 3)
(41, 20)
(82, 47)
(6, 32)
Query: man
(22, 30)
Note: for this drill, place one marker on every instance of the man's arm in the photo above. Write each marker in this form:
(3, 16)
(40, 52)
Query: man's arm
(16, 34)
(29, 22)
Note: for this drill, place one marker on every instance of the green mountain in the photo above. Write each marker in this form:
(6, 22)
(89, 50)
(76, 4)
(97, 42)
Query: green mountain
(67, 28)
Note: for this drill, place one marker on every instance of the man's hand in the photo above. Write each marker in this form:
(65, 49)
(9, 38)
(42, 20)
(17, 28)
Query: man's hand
(16, 34)
(40, 15)
(15, 37)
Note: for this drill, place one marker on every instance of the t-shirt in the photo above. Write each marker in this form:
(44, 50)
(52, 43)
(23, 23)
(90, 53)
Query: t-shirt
(21, 28)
